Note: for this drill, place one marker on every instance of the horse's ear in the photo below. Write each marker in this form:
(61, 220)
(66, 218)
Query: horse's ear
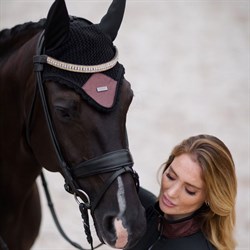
(111, 22)
(57, 25)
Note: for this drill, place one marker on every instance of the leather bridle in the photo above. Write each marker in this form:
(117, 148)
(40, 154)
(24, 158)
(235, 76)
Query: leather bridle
(115, 162)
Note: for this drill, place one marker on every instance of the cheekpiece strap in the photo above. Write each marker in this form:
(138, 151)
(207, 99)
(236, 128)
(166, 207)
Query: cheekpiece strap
(38, 61)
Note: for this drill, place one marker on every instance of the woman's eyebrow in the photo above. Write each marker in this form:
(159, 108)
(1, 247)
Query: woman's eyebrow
(172, 170)
(199, 188)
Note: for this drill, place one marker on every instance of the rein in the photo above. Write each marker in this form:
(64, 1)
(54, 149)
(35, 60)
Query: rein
(3, 245)
(55, 217)
(116, 162)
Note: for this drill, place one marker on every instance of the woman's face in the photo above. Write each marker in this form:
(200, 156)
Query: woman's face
(182, 188)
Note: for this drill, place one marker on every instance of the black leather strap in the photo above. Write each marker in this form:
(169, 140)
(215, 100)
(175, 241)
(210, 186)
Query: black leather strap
(109, 162)
(38, 67)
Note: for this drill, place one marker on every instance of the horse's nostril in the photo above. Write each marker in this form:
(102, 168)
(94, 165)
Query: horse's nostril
(109, 224)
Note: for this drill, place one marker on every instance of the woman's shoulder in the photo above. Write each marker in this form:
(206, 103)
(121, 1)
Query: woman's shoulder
(147, 198)
(149, 202)
(195, 241)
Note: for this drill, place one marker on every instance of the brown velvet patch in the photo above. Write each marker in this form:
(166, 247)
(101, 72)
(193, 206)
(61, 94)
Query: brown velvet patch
(102, 89)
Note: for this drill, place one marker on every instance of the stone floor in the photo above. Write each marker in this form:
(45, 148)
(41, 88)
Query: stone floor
(188, 63)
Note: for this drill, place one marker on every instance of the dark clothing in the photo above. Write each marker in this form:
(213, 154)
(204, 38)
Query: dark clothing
(161, 234)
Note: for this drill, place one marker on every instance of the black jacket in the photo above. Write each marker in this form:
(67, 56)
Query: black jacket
(153, 239)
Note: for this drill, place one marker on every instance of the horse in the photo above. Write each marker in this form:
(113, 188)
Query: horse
(63, 107)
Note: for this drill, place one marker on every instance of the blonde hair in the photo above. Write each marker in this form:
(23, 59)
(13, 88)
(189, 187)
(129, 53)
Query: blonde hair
(219, 176)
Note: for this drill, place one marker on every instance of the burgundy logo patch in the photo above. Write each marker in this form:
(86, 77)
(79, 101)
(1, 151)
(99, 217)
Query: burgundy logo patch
(101, 88)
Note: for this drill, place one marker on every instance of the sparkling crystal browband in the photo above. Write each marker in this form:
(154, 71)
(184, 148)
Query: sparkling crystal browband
(83, 68)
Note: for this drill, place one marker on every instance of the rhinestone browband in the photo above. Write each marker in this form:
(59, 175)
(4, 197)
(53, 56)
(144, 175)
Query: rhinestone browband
(83, 68)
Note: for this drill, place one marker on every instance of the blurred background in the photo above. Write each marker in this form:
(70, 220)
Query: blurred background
(188, 63)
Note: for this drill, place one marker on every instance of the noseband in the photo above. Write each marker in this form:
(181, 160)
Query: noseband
(115, 162)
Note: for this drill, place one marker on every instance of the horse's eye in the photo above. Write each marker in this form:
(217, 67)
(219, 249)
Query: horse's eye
(64, 113)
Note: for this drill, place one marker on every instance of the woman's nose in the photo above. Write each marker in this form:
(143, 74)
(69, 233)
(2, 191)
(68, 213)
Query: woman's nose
(174, 190)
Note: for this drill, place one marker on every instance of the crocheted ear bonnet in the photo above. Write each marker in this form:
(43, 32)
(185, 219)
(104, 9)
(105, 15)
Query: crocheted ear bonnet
(81, 55)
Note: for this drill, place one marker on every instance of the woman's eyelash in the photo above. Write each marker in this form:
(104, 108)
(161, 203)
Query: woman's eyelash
(190, 192)
(169, 177)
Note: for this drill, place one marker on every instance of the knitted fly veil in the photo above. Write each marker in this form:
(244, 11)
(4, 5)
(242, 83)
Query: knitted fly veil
(81, 55)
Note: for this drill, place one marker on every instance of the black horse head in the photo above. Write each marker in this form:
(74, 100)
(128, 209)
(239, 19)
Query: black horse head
(88, 98)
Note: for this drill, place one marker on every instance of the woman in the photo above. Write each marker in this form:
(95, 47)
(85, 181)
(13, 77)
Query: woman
(195, 209)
